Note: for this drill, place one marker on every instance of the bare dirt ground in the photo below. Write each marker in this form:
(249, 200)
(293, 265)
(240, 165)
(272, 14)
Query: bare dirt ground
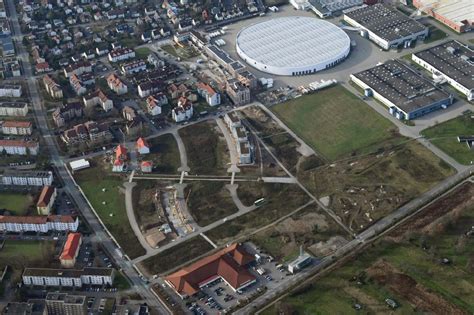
(430, 220)
(405, 286)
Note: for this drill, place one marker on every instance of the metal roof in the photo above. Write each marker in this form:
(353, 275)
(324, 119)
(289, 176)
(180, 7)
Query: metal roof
(292, 41)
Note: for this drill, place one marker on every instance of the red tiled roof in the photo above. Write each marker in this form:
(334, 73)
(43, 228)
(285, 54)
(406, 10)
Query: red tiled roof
(228, 263)
(45, 196)
(18, 143)
(146, 164)
(120, 152)
(142, 143)
(17, 124)
(71, 246)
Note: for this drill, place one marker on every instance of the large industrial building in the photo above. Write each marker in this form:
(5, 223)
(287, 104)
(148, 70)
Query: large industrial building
(386, 27)
(456, 14)
(327, 8)
(407, 94)
(293, 45)
(452, 62)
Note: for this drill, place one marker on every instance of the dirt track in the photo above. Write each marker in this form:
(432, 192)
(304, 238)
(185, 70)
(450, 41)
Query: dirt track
(405, 286)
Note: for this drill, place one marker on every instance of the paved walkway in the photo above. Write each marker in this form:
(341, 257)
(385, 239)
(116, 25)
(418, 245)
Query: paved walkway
(131, 216)
(234, 156)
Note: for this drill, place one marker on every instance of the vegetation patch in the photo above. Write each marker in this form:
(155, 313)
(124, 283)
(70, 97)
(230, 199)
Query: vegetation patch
(164, 153)
(16, 203)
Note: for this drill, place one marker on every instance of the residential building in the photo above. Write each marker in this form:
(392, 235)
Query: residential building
(13, 109)
(67, 112)
(70, 250)
(238, 93)
(31, 307)
(77, 85)
(120, 158)
(68, 277)
(133, 67)
(150, 87)
(177, 91)
(146, 166)
(183, 111)
(451, 62)
(121, 54)
(142, 146)
(42, 224)
(65, 304)
(229, 264)
(52, 87)
(17, 128)
(78, 68)
(155, 102)
(9, 90)
(407, 94)
(98, 98)
(46, 200)
(116, 84)
(386, 27)
(212, 97)
(19, 147)
(89, 131)
(27, 178)
(240, 136)
(129, 113)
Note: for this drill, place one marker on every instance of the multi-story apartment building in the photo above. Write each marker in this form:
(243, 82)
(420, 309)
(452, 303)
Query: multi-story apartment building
(154, 103)
(78, 68)
(98, 98)
(65, 304)
(46, 200)
(41, 224)
(13, 109)
(116, 84)
(19, 147)
(68, 277)
(17, 128)
(183, 111)
(27, 178)
(212, 97)
(121, 54)
(67, 112)
(238, 93)
(9, 90)
(70, 250)
(52, 87)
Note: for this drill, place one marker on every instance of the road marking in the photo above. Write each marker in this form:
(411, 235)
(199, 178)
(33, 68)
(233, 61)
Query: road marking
(130, 179)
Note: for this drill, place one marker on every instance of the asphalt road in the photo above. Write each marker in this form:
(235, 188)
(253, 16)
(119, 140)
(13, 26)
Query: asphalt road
(69, 185)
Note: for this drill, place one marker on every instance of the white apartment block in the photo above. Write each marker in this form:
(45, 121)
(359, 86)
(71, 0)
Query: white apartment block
(212, 97)
(116, 84)
(17, 128)
(13, 109)
(10, 90)
(183, 111)
(41, 224)
(27, 178)
(19, 147)
(121, 54)
(68, 277)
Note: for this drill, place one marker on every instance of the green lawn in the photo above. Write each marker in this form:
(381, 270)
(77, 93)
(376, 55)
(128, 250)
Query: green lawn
(176, 255)
(20, 254)
(99, 186)
(165, 154)
(142, 52)
(445, 135)
(336, 123)
(16, 203)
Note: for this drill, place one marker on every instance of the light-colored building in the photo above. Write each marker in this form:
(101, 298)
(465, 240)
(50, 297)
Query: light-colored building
(17, 128)
(9, 90)
(27, 178)
(238, 93)
(70, 250)
(155, 102)
(146, 166)
(68, 277)
(19, 147)
(46, 200)
(78, 68)
(142, 146)
(98, 98)
(41, 224)
(183, 111)
(121, 54)
(116, 84)
(13, 109)
(65, 304)
(52, 87)
(456, 14)
(133, 67)
(212, 97)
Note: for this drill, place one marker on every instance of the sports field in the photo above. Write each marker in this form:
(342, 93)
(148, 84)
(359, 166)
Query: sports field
(336, 123)
(444, 136)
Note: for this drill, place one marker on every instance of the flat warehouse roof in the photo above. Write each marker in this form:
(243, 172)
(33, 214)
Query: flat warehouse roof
(452, 59)
(401, 86)
(386, 23)
(455, 10)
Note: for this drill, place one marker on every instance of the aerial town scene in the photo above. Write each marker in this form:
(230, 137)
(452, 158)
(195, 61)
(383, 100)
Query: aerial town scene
(273, 157)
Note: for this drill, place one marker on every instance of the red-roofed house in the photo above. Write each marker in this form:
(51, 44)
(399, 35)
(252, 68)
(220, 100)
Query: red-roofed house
(229, 264)
(46, 200)
(70, 250)
(206, 91)
(146, 166)
(120, 158)
(142, 146)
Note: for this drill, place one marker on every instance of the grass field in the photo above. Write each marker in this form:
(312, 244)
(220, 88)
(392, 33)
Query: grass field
(177, 255)
(281, 199)
(209, 202)
(181, 52)
(336, 123)
(444, 136)
(142, 52)
(16, 203)
(206, 149)
(20, 254)
(98, 186)
(404, 270)
(165, 154)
